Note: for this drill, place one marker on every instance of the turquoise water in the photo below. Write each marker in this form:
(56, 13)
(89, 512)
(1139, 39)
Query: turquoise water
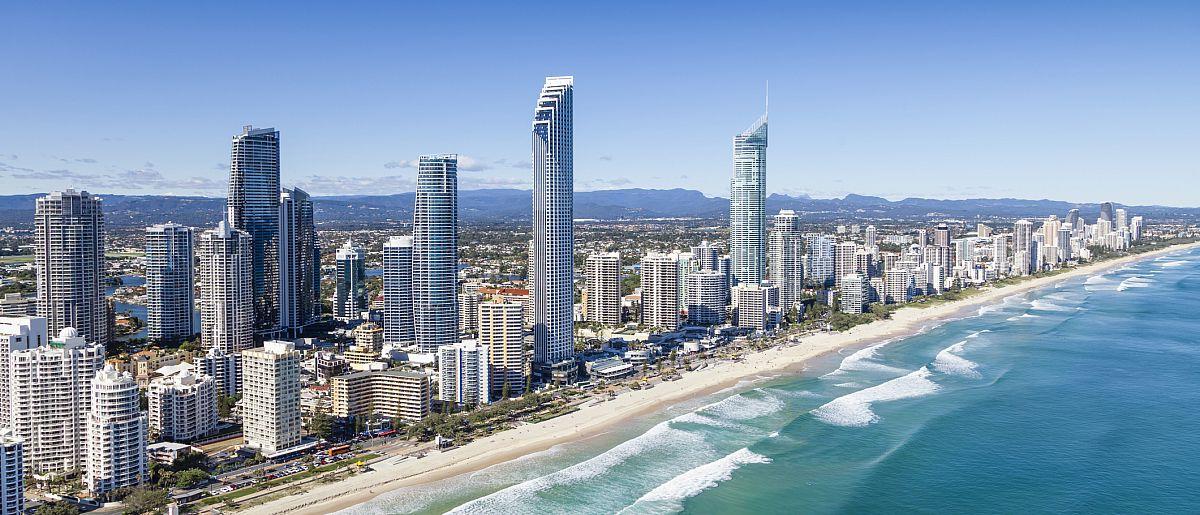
(1081, 397)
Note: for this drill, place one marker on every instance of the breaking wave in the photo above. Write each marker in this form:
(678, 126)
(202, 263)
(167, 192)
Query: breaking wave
(949, 362)
(854, 409)
(668, 497)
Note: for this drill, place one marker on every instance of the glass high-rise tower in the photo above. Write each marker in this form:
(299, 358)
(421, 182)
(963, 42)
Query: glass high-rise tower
(253, 206)
(299, 262)
(435, 253)
(552, 273)
(747, 204)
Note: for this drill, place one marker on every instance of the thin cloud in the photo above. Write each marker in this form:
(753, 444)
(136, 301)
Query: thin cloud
(606, 158)
(392, 165)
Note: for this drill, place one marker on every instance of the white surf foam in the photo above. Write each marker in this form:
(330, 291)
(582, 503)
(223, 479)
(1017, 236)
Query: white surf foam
(1135, 282)
(861, 360)
(1043, 305)
(990, 308)
(1172, 264)
(949, 362)
(694, 481)
(1023, 315)
(854, 409)
(661, 435)
(744, 407)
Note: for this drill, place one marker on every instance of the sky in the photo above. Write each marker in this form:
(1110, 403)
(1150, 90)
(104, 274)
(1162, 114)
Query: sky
(1076, 101)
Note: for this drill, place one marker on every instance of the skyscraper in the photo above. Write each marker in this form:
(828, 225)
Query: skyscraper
(1106, 212)
(271, 396)
(116, 434)
(299, 262)
(553, 257)
(603, 271)
(397, 290)
(747, 204)
(226, 289)
(1022, 247)
(69, 258)
(435, 252)
(253, 206)
(941, 235)
(351, 283)
(170, 263)
(786, 253)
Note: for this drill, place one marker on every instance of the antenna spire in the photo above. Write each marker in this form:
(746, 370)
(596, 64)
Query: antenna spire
(767, 107)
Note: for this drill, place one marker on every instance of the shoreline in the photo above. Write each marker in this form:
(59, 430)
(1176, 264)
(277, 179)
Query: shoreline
(593, 419)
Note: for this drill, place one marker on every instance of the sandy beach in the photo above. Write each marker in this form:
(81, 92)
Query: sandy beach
(390, 474)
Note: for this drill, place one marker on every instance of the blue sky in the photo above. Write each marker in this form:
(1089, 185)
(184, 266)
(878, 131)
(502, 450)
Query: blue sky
(1082, 101)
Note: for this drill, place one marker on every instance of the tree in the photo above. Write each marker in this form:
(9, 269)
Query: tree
(225, 404)
(57, 508)
(190, 478)
(145, 500)
(321, 425)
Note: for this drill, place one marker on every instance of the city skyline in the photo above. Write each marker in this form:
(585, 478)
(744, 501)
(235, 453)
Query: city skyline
(951, 102)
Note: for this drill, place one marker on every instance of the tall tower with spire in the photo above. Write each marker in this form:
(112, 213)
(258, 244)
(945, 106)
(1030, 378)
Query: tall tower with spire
(747, 204)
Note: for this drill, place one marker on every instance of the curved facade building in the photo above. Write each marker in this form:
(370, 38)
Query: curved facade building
(747, 204)
(435, 253)
(253, 206)
(553, 249)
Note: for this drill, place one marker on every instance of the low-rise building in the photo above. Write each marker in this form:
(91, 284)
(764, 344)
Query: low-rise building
(396, 394)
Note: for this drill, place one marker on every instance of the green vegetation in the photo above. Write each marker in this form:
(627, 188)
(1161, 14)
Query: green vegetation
(321, 425)
(485, 420)
(225, 404)
(242, 492)
(57, 508)
(629, 283)
(145, 500)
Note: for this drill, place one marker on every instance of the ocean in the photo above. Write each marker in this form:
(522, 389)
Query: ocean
(1079, 397)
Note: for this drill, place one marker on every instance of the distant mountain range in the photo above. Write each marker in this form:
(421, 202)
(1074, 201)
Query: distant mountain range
(506, 205)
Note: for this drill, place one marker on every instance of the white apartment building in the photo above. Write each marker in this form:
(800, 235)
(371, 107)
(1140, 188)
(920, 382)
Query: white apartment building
(396, 394)
(271, 396)
(706, 297)
(899, 287)
(226, 289)
(463, 373)
(856, 294)
(183, 404)
(751, 307)
(170, 260)
(603, 272)
(17, 333)
(660, 290)
(225, 369)
(69, 258)
(116, 434)
(501, 331)
(50, 388)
